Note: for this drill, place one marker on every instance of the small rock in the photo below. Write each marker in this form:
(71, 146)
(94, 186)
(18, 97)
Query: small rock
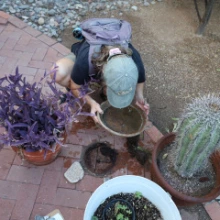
(12, 10)
(51, 12)
(119, 4)
(113, 7)
(70, 15)
(146, 3)
(66, 23)
(50, 4)
(40, 21)
(54, 33)
(34, 18)
(153, 3)
(74, 173)
(126, 5)
(39, 3)
(24, 17)
(135, 8)
(78, 6)
(58, 18)
(82, 13)
(23, 7)
(61, 27)
(165, 156)
(100, 7)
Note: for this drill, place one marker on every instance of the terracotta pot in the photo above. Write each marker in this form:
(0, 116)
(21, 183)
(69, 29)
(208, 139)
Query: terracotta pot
(37, 157)
(142, 116)
(179, 198)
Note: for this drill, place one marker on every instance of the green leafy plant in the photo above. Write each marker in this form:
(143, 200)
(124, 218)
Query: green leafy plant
(198, 135)
(121, 211)
(120, 216)
(138, 195)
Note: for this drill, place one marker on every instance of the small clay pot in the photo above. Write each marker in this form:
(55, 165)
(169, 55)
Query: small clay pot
(179, 198)
(38, 157)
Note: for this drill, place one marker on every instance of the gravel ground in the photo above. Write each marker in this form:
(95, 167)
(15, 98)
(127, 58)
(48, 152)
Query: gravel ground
(53, 16)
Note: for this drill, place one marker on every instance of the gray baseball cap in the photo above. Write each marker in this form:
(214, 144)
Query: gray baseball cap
(121, 77)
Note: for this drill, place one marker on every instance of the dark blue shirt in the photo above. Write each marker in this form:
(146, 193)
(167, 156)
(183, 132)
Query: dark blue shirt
(80, 71)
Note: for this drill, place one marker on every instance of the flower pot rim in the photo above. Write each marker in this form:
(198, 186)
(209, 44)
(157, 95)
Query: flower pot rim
(180, 196)
(38, 157)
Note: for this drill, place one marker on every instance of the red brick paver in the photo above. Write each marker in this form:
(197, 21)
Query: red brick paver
(7, 207)
(25, 175)
(213, 209)
(27, 190)
(6, 159)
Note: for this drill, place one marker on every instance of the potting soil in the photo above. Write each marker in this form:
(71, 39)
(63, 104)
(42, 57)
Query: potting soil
(125, 121)
(143, 208)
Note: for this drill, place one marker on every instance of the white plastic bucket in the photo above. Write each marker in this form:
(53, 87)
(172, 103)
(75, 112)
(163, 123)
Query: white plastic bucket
(132, 184)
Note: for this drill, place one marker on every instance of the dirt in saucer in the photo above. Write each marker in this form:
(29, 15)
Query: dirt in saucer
(125, 121)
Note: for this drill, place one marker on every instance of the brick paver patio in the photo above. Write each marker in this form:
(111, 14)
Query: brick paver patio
(27, 190)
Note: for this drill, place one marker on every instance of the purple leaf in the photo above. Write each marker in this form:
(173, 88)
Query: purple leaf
(32, 119)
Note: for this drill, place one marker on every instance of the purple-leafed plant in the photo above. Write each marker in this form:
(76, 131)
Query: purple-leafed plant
(34, 120)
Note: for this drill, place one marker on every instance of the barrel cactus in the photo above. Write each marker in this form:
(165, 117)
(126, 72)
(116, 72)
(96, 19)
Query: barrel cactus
(198, 135)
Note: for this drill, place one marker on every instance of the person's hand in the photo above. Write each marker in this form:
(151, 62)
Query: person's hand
(95, 108)
(142, 103)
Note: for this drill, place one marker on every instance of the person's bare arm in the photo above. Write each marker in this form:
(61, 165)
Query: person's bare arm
(95, 107)
(139, 98)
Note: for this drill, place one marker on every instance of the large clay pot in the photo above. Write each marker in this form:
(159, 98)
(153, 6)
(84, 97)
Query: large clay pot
(38, 157)
(179, 198)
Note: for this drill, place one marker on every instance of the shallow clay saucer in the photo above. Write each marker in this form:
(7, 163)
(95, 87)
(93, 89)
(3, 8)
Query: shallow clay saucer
(125, 122)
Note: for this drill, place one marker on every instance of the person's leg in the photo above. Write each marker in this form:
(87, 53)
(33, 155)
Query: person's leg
(64, 68)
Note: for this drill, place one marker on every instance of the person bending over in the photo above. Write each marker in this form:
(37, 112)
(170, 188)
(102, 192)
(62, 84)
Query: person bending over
(120, 70)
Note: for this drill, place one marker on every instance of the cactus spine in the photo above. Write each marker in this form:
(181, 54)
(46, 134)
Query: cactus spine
(198, 135)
